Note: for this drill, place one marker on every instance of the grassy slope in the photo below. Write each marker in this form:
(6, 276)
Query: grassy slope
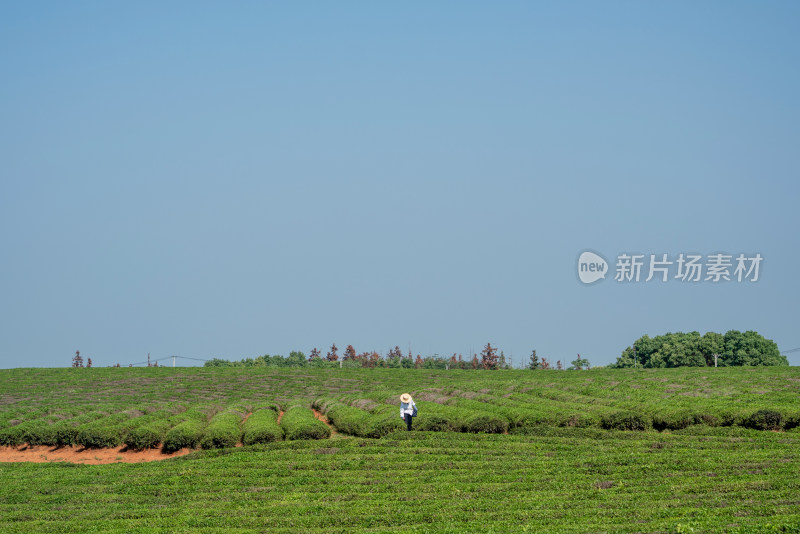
(710, 479)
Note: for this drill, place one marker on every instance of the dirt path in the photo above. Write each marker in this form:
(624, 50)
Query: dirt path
(319, 415)
(81, 455)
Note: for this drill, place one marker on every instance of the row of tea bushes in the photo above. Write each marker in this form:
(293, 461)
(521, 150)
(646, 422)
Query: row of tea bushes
(224, 429)
(298, 422)
(262, 426)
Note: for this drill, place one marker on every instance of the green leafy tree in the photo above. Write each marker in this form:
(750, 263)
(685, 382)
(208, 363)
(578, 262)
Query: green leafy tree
(579, 363)
(751, 348)
(681, 349)
(296, 359)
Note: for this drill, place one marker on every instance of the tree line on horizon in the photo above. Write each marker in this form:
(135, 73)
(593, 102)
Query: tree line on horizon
(673, 349)
(488, 359)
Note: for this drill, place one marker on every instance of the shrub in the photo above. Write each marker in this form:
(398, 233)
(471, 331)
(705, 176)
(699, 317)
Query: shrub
(223, 430)
(99, 436)
(791, 421)
(262, 427)
(13, 435)
(732, 418)
(438, 417)
(385, 420)
(673, 420)
(434, 422)
(380, 421)
(41, 434)
(65, 433)
(186, 434)
(485, 424)
(346, 418)
(102, 433)
(580, 421)
(707, 419)
(626, 421)
(298, 422)
(765, 420)
(147, 436)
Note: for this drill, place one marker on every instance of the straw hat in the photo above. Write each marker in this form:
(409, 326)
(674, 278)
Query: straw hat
(405, 397)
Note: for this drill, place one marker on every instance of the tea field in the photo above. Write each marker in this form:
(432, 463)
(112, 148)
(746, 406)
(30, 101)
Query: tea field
(672, 450)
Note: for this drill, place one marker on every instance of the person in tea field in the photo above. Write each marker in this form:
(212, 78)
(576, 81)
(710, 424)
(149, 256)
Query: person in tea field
(408, 409)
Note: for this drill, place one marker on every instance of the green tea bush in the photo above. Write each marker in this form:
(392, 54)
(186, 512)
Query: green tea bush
(673, 420)
(148, 436)
(707, 419)
(65, 433)
(385, 420)
(586, 420)
(262, 427)
(345, 418)
(14, 435)
(434, 422)
(485, 424)
(358, 422)
(102, 433)
(100, 437)
(40, 434)
(298, 422)
(437, 417)
(791, 421)
(224, 429)
(188, 433)
(732, 418)
(626, 421)
(764, 420)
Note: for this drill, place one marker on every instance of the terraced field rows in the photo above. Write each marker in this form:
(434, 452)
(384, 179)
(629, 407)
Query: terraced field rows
(210, 408)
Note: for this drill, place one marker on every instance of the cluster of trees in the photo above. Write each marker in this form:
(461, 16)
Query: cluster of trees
(680, 349)
(488, 359)
(578, 364)
(77, 360)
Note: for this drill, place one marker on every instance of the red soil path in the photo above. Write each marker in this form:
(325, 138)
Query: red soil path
(81, 455)
(319, 415)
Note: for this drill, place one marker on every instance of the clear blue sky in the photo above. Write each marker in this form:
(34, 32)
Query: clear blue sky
(214, 179)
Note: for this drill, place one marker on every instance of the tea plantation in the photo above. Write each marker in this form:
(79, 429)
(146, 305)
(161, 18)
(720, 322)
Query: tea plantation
(670, 450)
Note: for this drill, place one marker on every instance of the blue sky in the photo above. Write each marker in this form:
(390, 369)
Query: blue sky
(215, 180)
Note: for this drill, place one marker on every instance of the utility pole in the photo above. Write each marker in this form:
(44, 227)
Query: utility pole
(634, 356)
(715, 359)
(173, 361)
